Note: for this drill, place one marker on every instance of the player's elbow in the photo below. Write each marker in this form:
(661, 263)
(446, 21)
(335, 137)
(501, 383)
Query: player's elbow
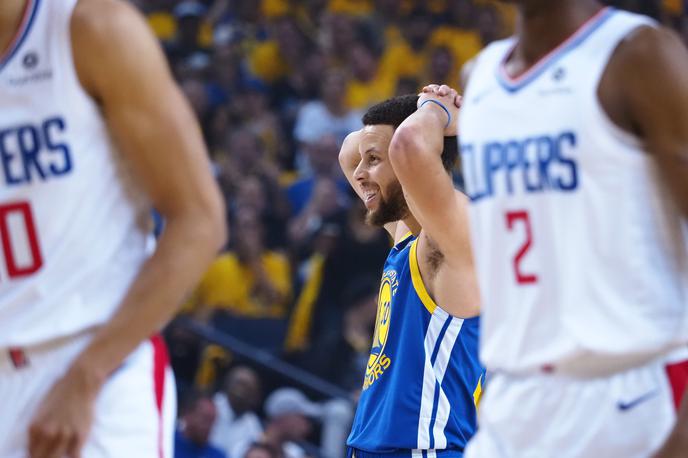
(203, 221)
(405, 149)
(218, 231)
(211, 231)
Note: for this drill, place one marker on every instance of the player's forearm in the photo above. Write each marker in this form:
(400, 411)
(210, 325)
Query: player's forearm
(416, 157)
(184, 251)
(416, 143)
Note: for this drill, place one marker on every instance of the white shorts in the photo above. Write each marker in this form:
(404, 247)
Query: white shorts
(134, 413)
(628, 414)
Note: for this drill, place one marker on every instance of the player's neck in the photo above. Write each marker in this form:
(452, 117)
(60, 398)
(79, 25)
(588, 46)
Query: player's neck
(413, 224)
(545, 24)
(11, 13)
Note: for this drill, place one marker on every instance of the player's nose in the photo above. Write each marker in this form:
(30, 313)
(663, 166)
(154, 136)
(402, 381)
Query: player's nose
(360, 173)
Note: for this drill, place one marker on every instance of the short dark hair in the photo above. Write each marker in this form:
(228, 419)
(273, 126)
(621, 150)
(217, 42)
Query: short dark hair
(392, 112)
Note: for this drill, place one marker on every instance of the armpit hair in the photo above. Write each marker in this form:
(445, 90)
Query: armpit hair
(435, 257)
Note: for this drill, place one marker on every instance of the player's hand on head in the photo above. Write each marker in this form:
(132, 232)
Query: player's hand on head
(62, 422)
(445, 98)
(430, 88)
(435, 89)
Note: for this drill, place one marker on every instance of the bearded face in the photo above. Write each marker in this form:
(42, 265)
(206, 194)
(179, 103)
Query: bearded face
(391, 206)
(377, 185)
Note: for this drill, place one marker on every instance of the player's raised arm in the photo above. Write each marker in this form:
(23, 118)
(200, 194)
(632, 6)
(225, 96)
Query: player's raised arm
(645, 91)
(415, 153)
(121, 65)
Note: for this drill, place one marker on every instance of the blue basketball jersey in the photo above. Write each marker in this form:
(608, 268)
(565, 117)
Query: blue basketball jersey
(423, 377)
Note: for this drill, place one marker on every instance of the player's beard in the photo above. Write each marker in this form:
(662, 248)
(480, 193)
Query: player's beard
(391, 209)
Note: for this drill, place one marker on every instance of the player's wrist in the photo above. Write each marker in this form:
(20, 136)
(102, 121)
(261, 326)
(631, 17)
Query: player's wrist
(439, 108)
(87, 375)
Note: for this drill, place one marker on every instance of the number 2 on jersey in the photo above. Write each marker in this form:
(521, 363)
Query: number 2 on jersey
(512, 217)
(19, 240)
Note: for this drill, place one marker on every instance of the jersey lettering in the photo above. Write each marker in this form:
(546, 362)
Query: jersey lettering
(531, 165)
(31, 152)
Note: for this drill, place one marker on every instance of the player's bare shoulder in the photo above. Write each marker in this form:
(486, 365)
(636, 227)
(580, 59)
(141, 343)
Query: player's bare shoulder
(102, 33)
(647, 45)
(650, 57)
(103, 19)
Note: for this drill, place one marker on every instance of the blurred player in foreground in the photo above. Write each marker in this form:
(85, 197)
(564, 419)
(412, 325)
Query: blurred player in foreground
(423, 377)
(574, 142)
(93, 133)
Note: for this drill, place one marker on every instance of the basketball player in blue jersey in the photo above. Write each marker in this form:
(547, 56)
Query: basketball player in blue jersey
(574, 143)
(94, 133)
(423, 376)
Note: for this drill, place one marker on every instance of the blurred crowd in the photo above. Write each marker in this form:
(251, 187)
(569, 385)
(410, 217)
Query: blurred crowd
(276, 86)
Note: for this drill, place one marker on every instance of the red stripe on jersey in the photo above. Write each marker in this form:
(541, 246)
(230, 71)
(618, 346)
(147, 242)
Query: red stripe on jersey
(678, 379)
(160, 362)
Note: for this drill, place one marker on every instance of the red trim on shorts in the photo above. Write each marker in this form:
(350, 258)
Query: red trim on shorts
(678, 379)
(18, 357)
(160, 362)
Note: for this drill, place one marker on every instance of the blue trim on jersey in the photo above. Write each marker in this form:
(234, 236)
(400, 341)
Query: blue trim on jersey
(555, 55)
(22, 35)
(433, 416)
(438, 344)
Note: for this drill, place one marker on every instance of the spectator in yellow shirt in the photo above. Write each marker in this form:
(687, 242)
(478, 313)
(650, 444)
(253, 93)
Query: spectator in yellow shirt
(408, 57)
(369, 82)
(285, 51)
(249, 280)
(460, 34)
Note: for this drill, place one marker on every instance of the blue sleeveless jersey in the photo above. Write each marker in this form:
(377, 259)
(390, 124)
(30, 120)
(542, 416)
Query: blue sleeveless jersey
(423, 377)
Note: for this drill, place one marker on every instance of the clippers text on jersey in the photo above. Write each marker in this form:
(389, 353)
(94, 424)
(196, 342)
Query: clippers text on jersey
(532, 165)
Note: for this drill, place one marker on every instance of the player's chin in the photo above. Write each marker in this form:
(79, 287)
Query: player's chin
(373, 218)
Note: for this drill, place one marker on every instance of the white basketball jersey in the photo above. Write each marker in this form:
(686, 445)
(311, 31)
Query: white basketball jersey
(72, 223)
(581, 254)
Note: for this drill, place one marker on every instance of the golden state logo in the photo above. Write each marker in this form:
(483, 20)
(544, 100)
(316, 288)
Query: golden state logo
(378, 362)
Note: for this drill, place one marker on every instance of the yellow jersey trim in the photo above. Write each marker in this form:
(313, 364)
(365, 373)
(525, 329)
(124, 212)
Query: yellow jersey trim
(478, 393)
(405, 236)
(417, 280)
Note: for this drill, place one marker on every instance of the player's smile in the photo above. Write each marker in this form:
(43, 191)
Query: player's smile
(374, 168)
(371, 195)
